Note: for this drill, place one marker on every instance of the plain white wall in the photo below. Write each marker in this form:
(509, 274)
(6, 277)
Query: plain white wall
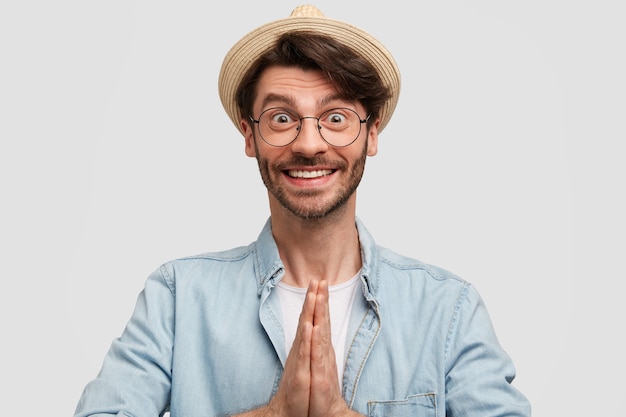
(503, 163)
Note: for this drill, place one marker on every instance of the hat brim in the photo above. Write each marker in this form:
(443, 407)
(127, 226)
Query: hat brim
(245, 52)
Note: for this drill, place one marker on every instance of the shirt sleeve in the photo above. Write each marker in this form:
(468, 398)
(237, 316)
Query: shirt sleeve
(479, 373)
(135, 378)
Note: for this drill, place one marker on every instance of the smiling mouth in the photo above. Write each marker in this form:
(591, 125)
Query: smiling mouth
(309, 174)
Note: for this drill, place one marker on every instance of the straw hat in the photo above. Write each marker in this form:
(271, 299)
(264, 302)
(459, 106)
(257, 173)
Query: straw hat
(245, 52)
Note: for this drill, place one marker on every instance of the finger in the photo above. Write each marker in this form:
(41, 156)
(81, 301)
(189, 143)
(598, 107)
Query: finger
(322, 352)
(325, 398)
(292, 397)
(301, 348)
(299, 360)
(308, 307)
(321, 316)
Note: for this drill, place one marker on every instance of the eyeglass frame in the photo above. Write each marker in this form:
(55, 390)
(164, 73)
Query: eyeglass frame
(301, 118)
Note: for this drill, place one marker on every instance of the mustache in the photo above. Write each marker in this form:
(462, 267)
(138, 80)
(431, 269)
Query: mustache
(308, 162)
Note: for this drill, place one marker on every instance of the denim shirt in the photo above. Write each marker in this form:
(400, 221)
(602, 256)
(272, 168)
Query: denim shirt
(206, 339)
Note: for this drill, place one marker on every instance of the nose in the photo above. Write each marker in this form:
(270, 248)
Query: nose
(309, 141)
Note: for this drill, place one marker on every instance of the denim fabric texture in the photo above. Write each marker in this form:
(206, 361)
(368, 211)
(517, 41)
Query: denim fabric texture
(205, 339)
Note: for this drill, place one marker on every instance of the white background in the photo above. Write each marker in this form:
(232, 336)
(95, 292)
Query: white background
(503, 163)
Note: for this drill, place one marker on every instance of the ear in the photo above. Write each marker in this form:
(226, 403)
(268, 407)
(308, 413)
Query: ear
(372, 139)
(248, 135)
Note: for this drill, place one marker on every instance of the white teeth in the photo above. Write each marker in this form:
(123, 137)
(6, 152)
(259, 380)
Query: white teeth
(309, 174)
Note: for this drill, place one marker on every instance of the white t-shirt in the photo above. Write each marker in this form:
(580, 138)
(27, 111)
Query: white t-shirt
(341, 300)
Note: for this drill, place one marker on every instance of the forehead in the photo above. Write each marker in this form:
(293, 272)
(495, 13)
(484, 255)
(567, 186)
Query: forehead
(295, 87)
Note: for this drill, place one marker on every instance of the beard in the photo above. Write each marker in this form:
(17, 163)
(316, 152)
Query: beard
(311, 204)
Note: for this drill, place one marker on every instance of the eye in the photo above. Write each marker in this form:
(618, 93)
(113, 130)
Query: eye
(335, 118)
(278, 119)
(282, 116)
(338, 119)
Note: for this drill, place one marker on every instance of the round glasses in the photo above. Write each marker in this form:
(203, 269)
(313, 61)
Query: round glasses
(338, 127)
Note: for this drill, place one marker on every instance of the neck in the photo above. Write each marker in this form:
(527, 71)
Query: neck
(326, 248)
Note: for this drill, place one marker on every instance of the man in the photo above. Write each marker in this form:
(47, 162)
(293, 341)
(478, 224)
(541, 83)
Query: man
(313, 319)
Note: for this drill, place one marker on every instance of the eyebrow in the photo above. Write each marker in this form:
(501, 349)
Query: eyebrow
(290, 101)
(278, 98)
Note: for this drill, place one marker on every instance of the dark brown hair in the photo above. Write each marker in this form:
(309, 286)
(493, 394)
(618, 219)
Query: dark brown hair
(353, 76)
